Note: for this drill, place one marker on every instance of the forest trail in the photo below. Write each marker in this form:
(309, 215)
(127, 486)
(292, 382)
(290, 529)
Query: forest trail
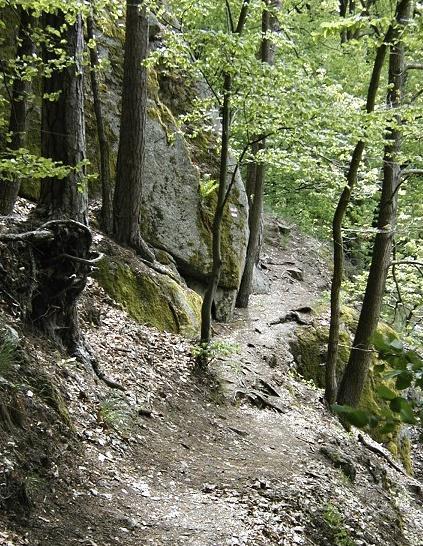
(173, 462)
(296, 274)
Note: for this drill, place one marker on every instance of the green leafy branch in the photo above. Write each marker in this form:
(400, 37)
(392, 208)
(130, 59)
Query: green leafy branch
(405, 367)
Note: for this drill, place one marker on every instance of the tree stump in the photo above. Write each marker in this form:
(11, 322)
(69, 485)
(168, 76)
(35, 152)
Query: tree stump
(42, 274)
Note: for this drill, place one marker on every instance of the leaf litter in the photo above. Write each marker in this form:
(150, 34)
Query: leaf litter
(179, 459)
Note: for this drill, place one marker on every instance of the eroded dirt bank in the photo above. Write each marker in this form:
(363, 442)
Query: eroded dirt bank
(247, 455)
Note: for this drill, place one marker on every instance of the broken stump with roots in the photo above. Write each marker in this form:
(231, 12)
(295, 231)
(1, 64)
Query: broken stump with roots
(42, 274)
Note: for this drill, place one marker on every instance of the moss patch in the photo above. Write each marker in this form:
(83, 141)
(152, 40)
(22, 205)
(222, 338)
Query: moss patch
(231, 268)
(159, 111)
(150, 298)
(310, 350)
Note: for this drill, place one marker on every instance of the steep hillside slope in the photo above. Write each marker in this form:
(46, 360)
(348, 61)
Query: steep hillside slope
(172, 460)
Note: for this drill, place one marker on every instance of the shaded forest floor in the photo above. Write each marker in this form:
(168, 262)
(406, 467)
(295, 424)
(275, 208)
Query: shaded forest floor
(245, 455)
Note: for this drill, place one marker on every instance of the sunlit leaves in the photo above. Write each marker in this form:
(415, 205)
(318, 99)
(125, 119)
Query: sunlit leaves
(401, 367)
(22, 164)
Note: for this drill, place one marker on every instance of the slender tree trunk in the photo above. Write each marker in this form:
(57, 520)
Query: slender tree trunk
(338, 242)
(63, 122)
(206, 309)
(106, 185)
(356, 371)
(343, 10)
(214, 277)
(256, 172)
(18, 111)
(255, 221)
(250, 183)
(346, 7)
(131, 154)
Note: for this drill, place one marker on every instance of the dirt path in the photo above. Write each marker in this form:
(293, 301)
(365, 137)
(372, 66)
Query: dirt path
(174, 462)
(297, 277)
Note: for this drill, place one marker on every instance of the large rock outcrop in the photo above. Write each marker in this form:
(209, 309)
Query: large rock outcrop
(159, 299)
(176, 217)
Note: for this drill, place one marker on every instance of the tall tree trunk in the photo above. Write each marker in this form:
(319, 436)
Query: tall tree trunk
(256, 171)
(214, 277)
(106, 185)
(343, 10)
(250, 182)
(63, 122)
(131, 154)
(356, 371)
(18, 111)
(338, 242)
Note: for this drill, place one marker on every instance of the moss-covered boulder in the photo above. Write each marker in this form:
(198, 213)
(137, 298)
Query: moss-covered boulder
(148, 296)
(309, 349)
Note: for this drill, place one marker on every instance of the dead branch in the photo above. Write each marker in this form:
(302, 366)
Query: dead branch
(379, 451)
(84, 261)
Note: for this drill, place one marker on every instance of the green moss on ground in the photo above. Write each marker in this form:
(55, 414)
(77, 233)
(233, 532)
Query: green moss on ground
(152, 299)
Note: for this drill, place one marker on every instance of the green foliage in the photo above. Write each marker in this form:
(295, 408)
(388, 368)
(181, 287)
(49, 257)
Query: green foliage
(207, 352)
(333, 518)
(114, 412)
(357, 417)
(22, 164)
(207, 187)
(405, 368)
(7, 355)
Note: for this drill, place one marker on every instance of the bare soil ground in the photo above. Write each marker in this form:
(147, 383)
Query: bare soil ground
(184, 459)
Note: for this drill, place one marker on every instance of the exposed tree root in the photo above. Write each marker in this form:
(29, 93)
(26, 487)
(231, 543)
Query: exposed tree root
(43, 273)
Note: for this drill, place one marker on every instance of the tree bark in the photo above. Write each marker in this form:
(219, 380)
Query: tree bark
(254, 221)
(131, 154)
(338, 242)
(105, 178)
(206, 309)
(63, 122)
(21, 90)
(214, 277)
(256, 172)
(250, 182)
(43, 273)
(346, 7)
(356, 371)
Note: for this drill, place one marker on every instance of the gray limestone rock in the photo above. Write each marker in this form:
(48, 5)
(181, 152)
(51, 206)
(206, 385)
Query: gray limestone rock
(178, 219)
(176, 216)
(261, 282)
